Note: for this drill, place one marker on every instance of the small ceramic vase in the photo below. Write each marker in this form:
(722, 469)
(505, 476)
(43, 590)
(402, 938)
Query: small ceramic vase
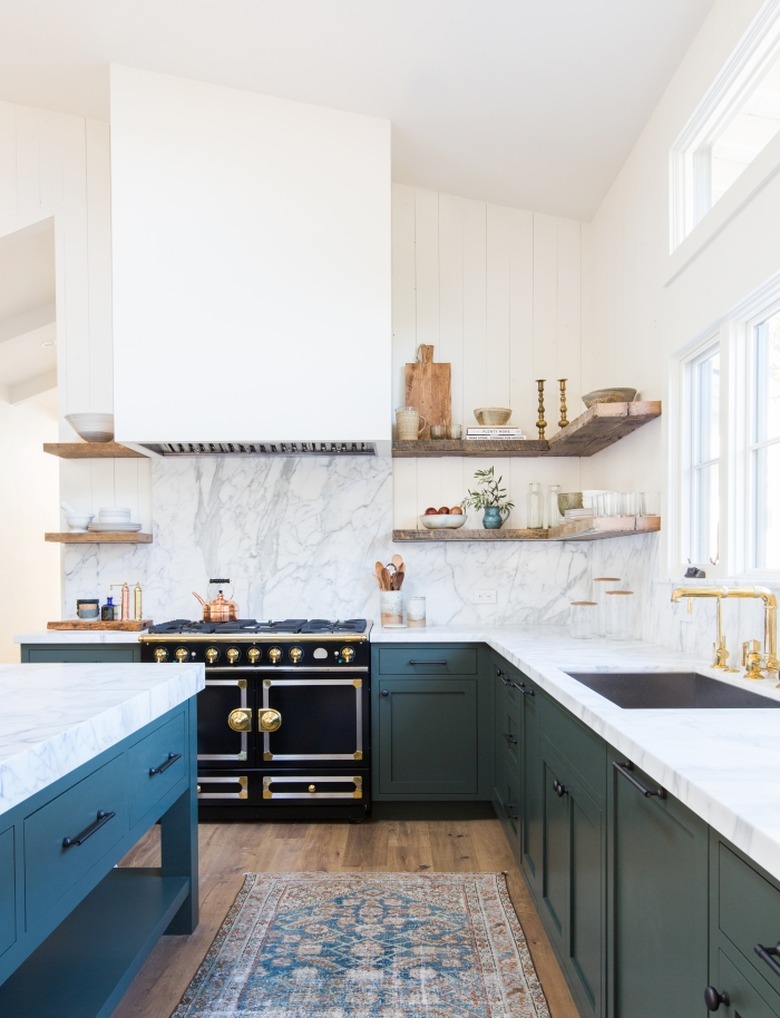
(493, 517)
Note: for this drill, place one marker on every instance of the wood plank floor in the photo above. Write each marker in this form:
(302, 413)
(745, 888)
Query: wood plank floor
(228, 851)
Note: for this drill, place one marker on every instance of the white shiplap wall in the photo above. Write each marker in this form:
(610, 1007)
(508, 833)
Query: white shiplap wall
(498, 292)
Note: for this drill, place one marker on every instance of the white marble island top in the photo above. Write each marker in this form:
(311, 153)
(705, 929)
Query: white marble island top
(723, 764)
(55, 717)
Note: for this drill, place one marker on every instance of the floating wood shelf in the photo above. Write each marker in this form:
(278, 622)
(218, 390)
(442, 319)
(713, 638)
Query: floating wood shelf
(594, 529)
(599, 427)
(102, 537)
(91, 450)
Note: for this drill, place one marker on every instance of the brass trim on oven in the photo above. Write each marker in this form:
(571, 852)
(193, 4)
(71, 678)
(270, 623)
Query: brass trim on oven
(241, 780)
(241, 684)
(354, 779)
(356, 754)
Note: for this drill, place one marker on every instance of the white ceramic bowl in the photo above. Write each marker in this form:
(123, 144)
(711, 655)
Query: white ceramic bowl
(92, 427)
(443, 521)
(492, 416)
(78, 521)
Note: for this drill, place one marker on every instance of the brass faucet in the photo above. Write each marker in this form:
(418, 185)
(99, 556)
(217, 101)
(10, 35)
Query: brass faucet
(753, 661)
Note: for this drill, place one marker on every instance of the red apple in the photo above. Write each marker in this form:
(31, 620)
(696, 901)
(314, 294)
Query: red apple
(430, 511)
(444, 511)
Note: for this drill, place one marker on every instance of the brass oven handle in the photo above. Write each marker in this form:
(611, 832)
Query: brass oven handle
(269, 720)
(240, 719)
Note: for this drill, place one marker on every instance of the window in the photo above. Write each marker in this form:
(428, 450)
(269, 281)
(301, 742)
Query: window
(731, 444)
(764, 444)
(703, 482)
(733, 124)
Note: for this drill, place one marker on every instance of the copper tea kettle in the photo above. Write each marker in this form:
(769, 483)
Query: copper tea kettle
(220, 609)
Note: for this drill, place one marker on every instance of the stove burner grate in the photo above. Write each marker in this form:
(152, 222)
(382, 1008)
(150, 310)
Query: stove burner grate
(251, 626)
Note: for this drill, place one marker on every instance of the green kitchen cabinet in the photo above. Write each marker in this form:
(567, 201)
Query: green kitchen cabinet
(744, 976)
(80, 653)
(432, 717)
(658, 893)
(572, 888)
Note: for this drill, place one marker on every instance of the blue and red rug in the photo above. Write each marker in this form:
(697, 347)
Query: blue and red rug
(368, 945)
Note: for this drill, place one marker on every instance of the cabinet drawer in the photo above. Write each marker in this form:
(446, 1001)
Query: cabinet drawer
(7, 890)
(427, 660)
(83, 814)
(748, 910)
(582, 748)
(155, 765)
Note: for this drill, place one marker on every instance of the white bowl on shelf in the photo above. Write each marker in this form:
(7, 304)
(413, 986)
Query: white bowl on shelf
(92, 427)
(443, 521)
(78, 522)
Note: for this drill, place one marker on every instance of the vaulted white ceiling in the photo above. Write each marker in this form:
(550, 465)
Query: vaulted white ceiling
(528, 103)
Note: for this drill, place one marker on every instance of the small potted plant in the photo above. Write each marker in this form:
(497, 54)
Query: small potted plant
(490, 497)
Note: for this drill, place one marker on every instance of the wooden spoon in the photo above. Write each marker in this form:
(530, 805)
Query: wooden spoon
(397, 561)
(378, 568)
(398, 579)
(386, 584)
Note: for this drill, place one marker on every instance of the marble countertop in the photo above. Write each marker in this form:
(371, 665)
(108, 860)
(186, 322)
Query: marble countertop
(723, 764)
(80, 636)
(56, 717)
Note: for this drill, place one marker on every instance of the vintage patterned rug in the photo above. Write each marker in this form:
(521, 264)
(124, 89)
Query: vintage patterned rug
(368, 945)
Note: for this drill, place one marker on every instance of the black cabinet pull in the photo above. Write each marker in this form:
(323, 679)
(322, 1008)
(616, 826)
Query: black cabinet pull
(414, 664)
(768, 954)
(713, 999)
(511, 740)
(559, 789)
(509, 810)
(625, 769)
(103, 816)
(523, 689)
(384, 692)
(169, 762)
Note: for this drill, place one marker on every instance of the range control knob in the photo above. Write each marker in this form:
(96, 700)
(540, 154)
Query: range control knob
(160, 654)
(347, 655)
(296, 653)
(233, 655)
(274, 655)
(253, 655)
(212, 655)
(181, 654)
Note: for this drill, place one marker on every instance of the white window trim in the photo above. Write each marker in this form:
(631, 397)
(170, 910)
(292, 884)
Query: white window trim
(732, 333)
(737, 76)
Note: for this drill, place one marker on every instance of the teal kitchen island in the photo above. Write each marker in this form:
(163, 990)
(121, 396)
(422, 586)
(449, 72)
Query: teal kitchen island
(91, 757)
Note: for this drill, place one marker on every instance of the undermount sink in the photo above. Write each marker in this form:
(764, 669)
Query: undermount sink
(669, 691)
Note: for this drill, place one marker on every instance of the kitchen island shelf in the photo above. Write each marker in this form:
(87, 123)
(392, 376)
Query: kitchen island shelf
(102, 537)
(91, 450)
(599, 427)
(596, 528)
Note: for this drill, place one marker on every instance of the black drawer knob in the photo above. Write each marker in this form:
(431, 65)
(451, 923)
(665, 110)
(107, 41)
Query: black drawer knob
(713, 999)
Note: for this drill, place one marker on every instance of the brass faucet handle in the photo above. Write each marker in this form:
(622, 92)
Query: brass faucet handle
(721, 655)
(751, 659)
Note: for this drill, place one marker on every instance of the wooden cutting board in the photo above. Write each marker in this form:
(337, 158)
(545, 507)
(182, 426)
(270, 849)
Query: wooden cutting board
(428, 389)
(129, 626)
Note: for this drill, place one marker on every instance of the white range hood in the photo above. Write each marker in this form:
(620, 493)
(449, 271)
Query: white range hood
(251, 272)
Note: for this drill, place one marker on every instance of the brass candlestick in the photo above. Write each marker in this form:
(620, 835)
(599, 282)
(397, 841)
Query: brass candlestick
(541, 423)
(564, 419)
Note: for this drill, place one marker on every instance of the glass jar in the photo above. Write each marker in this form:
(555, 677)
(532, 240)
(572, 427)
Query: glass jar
(553, 512)
(620, 614)
(534, 508)
(601, 584)
(583, 616)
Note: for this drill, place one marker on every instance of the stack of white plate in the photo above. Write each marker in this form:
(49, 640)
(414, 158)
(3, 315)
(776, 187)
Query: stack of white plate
(114, 518)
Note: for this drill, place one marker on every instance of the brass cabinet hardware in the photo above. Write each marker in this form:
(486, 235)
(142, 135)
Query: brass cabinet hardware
(240, 719)
(269, 720)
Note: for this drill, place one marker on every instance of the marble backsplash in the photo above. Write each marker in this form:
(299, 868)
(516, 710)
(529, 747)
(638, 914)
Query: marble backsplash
(299, 537)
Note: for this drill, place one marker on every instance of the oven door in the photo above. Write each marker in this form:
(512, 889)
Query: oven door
(305, 717)
(226, 719)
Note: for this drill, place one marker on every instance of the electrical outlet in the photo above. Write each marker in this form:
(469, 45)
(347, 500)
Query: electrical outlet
(484, 597)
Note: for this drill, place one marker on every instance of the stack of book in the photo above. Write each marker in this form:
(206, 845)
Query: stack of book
(495, 434)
